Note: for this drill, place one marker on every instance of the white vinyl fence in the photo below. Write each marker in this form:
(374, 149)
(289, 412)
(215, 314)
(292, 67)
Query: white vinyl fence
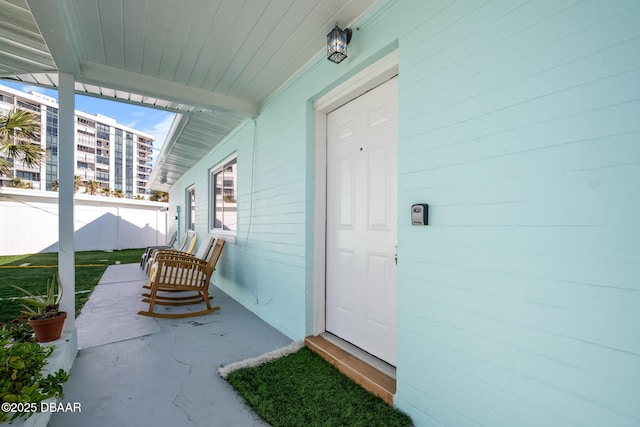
(29, 222)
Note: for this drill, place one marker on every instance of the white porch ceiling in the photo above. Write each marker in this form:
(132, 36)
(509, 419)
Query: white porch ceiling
(213, 61)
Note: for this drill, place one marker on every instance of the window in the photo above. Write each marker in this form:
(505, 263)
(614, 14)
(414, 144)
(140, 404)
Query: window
(118, 160)
(102, 160)
(28, 106)
(31, 176)
(86, 139)
(52, 147)
(190, 203)
(86, 122)
(224, 195)
(102, 175)
(102, 131)
(128, 166)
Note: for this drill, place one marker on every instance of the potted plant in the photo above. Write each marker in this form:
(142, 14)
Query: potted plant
(45, 318)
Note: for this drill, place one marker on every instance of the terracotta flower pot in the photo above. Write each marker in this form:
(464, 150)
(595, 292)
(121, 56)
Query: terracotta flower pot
(48, 329)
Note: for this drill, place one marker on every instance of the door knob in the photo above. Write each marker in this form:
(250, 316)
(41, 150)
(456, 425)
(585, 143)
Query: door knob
(396, 256)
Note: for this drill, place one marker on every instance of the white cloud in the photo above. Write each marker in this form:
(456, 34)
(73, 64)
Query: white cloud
(160, 130)
(30, 88)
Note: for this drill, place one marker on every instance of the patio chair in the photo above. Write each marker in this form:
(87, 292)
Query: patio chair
(187, 244)
(181, 273)
(181, 246)
(201, 253)
(147, 253)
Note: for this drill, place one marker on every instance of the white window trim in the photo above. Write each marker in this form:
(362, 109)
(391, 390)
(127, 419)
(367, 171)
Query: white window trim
(227, 235)
(189, 216)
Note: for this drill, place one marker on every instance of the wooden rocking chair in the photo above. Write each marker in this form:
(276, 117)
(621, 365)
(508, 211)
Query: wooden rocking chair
(150, 249)
(180, 273)
(203, 251)
(187, 244)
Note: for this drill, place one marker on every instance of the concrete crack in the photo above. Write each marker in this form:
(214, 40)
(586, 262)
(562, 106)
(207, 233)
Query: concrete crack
(184, 381)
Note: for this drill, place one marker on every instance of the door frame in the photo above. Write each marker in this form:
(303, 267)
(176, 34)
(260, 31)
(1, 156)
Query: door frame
(374, 75)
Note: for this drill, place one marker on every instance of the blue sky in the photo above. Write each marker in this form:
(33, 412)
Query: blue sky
(149, 120)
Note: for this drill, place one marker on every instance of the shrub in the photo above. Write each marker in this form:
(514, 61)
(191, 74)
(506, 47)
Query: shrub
(21, 363)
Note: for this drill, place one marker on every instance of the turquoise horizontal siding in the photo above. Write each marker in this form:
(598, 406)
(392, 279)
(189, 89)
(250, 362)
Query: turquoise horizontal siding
(265, 268)
(519, 125)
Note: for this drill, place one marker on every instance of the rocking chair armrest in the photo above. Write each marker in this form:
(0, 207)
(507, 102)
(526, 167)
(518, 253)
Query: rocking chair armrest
(176, 257)
(165, 250)
(164, 254)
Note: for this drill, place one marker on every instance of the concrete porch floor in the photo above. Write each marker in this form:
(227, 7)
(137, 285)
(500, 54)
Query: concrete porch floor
(134, 370)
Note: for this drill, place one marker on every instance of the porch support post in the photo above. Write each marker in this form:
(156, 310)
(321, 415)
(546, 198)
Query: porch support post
(66, 169)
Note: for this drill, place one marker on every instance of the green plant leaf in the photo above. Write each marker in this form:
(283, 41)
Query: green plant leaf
(10, 398)
(60, 288)
(26, 292)
(16, 363)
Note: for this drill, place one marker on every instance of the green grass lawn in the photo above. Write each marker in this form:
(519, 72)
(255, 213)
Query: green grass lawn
(90, 266)
(301, 389)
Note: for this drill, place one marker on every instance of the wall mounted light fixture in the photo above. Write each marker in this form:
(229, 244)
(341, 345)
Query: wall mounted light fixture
(337, 41)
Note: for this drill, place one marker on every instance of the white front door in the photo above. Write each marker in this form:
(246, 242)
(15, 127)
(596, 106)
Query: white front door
(362, 221)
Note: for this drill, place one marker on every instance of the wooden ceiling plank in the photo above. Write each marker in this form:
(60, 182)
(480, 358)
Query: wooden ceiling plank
(235, 45)
(22, 38)
(12, 64)
(111, 21)
(197, 41)
(14, 48)
(52, 22)
(87, 22)
(345, 13)
(181, 20)
(222, 28)
(18, 15)
(304, 21)
(155, 35)
(266, 25)
(134, 24)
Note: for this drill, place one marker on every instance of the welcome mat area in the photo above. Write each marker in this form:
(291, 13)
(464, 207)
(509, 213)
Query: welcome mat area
(301, 388)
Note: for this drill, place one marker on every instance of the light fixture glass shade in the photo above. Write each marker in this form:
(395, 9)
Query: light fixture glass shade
(337, 41)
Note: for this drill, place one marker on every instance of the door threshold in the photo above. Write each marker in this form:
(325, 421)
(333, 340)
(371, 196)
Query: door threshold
(367, 358)
(371, 374)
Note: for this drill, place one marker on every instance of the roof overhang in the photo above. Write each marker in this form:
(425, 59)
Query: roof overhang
(214, 63)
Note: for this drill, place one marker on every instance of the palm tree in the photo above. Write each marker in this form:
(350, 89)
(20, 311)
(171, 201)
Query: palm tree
(55, 185)
(159, 196)
(17, 129)
(19, 183)
(92, 187)
(77, 182)
(106, 191)
(119, 193)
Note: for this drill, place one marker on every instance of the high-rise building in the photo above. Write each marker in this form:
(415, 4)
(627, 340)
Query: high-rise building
(116, 156)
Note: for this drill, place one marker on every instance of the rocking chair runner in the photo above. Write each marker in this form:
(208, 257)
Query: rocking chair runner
(182, 273)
